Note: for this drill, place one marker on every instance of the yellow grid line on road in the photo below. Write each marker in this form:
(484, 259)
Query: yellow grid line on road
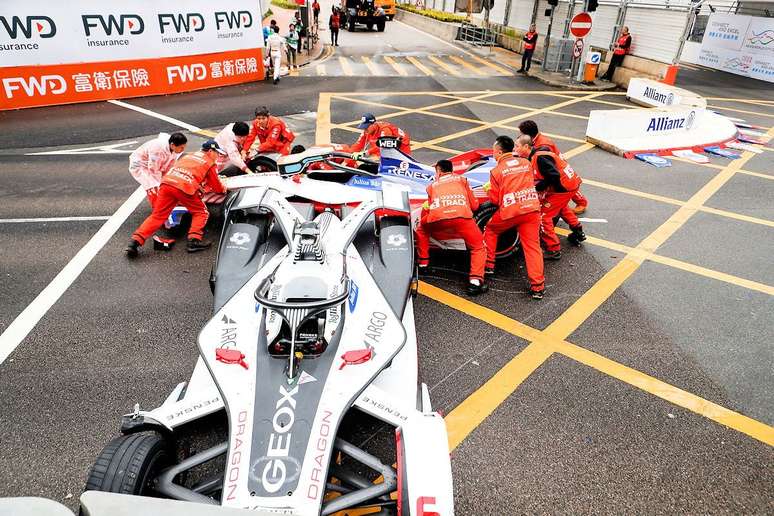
(370, 65)
(677, 202)
(504, 121)
(395, 65)
(678, 264)
(721, 167)
(757, 174)
(550, 93)
(735, 110)
(482, 402)
(460, 61)
(469, 414)
(555, 335)
(486, 62)
(422, 68)
(443, 65)
(345, 66)
(528, 108)
(400, 111)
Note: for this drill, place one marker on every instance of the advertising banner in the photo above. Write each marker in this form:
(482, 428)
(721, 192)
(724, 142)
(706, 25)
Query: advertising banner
(56, 52)
(743, 45)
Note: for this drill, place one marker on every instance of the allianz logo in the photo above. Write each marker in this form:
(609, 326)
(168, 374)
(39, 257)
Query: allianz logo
(667, 123)
(662, 98)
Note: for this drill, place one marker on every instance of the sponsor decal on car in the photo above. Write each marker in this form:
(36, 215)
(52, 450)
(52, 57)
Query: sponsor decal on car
(353, 293)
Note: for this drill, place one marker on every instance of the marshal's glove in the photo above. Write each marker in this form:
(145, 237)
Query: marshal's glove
(426, 205)
(358, 155)
(487, 186)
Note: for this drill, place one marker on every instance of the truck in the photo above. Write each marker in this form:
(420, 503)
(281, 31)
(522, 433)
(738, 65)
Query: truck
(363, 12)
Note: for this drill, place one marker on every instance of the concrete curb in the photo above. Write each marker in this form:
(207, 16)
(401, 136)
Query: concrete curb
(567, 84)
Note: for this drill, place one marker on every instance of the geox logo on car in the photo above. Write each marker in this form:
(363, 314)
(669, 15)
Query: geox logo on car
(29, 26)
(661, 98)
(275, 471)
(665, 123)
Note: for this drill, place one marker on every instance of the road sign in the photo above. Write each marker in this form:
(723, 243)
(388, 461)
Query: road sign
(580, 25)
(593, 58)
(577, 50)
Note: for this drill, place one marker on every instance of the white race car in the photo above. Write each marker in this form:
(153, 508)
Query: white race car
(313, 322)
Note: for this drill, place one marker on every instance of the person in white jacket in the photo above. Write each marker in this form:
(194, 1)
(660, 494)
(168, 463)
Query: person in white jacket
(275, 45)
(231, 139)
(151, 160)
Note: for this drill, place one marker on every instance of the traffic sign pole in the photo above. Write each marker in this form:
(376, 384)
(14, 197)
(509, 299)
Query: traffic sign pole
(580, 26)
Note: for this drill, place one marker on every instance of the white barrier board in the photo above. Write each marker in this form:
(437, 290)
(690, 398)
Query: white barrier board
(650, 93)
(637, 130)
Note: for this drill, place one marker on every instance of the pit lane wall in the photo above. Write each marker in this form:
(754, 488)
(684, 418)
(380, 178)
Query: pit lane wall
(627, 132)
(55, 52)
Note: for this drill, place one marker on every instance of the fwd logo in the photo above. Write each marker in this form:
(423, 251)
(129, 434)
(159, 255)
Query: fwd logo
(181, 22)
(46, 84)
(233, 19)
(29, 26)
(186, 73)
(122, 23)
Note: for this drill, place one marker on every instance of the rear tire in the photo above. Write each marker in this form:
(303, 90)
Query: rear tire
(262, 164)
(508, 242)
(129, 464)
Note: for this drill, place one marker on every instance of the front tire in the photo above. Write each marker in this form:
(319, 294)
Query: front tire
(380, 25)
(129, 464)
(508, 242)
(351, 25)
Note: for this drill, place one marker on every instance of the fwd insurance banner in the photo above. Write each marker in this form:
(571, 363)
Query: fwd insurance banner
(738, 44)
(58, 52)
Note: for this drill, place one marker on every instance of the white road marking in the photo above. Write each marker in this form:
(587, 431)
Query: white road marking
(584, 219)
(26, 321)
(29, 318)
(52, 219)
(100, 149)
(155, 115)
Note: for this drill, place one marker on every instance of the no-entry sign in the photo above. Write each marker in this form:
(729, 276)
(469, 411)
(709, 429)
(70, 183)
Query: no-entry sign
(580, 25)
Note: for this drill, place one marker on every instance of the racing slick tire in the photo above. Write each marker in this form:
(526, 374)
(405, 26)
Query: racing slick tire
(370, 26)
(380, 25)
(129, 464)
(351, 24)
(508, 242)
(262, 164)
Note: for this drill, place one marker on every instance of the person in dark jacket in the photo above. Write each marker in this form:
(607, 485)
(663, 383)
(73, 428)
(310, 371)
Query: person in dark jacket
(530, 41)
(334, 23)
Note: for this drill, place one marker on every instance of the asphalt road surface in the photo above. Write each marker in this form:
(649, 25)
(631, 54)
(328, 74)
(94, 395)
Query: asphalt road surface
(641, 383)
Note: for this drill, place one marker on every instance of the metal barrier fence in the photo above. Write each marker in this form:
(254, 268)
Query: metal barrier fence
(476, 35)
